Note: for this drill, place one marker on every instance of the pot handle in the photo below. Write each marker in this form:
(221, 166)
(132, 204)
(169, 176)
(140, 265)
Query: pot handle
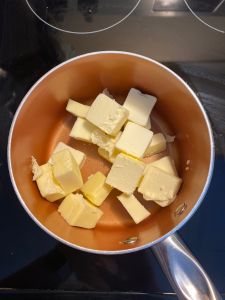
(183, 271)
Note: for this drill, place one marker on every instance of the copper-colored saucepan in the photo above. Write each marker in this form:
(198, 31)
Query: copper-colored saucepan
(41, 121)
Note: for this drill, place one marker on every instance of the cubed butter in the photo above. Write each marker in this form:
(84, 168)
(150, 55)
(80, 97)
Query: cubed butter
(105, 154)
(77, 109)
(134, 140)
(82, 130)
(164, 203)
(39, 170)
(157, 145)
(104, 141)
(135, 209)
(36, 170)
(66, 171)
(46, 168)
(125, 173)
(77, 211)
(49, 188)
(159, 185)
(148, 125)
(79, 156)
(165, 163)
(139, 106)
(107, 93)
(107, 114)
(170, 138)
(95, 189)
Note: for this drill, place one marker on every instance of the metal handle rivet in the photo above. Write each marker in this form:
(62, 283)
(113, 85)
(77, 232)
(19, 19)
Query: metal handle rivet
(180, 209)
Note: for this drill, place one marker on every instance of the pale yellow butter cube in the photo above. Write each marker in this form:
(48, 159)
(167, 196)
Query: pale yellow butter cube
(159, 185)
(39, 170)
(77, 109)
(46, 168)
(148, 125)
(125, 173)
(157, 145)
(79, 156)
(49, 188)
(77, 211)
(170, 138)
(134, 140)
(107, 93)
(105, 154)
(82, 130)
(107, 114)
(139, 106)
(36, 170)
(104, 141)
(66, 171)
(165, 203)
(95, 189)
(165, 163)
(135, 209)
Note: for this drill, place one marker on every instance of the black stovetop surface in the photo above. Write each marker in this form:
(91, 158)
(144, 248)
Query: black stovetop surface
(32, 264)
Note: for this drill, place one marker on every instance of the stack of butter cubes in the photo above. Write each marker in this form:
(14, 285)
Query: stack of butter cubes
(123, 136)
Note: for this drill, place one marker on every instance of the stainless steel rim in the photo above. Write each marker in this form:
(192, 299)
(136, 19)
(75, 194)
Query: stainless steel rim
(212, 158)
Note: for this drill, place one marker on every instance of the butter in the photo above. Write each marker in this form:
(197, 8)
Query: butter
(105, 154)
(165, 164)
(46, 168)
(157, 145)
(49, 188)
(107, 93)
(39, 170)
(139, 106)
(77, 211)
(135, 209)
(79, 156)
(36, 170)
(107, 114)
(165, 203)
(159, 185)
(170, 138)
(125, 173)
(82, 130)
(148, 125)
(77, 109)
(104, 141)
(95, 189)
(134, 140)
(66, 171)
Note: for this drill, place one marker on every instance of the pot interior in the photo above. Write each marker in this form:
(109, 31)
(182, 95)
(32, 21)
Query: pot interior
(43, 121)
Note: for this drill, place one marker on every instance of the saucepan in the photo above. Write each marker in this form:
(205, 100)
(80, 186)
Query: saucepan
(41, 121)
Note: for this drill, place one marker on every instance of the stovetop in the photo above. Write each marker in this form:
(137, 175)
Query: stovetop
(32, 264)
